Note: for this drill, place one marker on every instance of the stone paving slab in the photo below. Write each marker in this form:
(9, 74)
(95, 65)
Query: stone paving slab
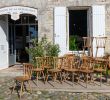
(56, 91)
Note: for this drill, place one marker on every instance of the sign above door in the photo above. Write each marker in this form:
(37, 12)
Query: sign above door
(15, 11)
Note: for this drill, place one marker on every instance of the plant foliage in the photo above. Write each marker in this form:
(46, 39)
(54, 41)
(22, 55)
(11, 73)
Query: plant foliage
(42, 48)
(72, 43)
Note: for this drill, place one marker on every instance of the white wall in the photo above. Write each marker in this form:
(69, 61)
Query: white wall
(4, 42)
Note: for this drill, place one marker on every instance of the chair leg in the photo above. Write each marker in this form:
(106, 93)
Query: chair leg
(46, 78)
(37, 77)
(96, 52)
(61, 77)
(23, 86)
(92, 77)
(13, 87)
(86, 80)
(30, 86)
(43, 76)
(72, 78)
(100, 78)
(65, 76)
(78, 76)
(54, 76)
(83, 51)
(21, 89)
(91, 52)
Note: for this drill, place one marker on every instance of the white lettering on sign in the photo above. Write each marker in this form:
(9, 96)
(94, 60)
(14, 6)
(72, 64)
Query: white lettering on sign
(15, 11)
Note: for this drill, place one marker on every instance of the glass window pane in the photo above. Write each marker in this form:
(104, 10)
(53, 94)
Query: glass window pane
(31, 19)
(24, 19)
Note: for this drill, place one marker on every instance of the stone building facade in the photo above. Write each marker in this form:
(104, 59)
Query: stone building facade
(46, 21)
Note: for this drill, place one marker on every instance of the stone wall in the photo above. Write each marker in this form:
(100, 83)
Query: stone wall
(45, 11)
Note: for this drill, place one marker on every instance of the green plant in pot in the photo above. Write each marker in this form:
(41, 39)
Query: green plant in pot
(42, 48)
(72, 43)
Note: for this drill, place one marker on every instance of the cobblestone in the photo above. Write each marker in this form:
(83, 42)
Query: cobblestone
(7, 82)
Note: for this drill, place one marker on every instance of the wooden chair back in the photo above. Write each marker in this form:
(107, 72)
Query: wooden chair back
(88, 42)
(71, 61)
(87, 63)
(48, 61)
(57, 62)
(100, 43)
(40, 62)
(27, 69)
(109, 62)
(101, 64)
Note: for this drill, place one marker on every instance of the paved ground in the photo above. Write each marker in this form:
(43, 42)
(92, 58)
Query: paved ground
(51, 90)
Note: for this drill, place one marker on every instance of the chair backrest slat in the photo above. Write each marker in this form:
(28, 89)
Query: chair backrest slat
(71, 61)
(27, 69)
(58, 62)
(40, 62)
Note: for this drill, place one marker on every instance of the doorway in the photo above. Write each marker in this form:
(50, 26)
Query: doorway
(21, 32)
(77, 29)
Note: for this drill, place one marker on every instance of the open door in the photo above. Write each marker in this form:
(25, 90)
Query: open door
(3, 41)
(89, 22)
(60, 28)
(11, 37)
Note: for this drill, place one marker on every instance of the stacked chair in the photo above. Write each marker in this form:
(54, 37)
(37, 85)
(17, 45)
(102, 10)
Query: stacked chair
(100, 43)
(88, 43)
(99, 63)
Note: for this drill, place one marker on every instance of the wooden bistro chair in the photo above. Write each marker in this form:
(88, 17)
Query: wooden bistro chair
(27, 69)
(88, 41)
(86, 69)
(100, 67)
(39, 68)
(100, 43)
(71, 66)
(47, 65)
(55, 69)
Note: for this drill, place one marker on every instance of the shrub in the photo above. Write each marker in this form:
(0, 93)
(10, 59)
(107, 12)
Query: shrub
(42, 48)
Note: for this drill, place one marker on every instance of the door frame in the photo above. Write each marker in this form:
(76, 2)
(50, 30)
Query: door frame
(88, 27)
(28, 25)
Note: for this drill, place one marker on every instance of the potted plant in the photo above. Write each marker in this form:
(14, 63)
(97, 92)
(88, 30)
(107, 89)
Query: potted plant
(73, 43)
(42, 48)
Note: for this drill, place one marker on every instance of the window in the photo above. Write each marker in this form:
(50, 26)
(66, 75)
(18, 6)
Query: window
(77, 28)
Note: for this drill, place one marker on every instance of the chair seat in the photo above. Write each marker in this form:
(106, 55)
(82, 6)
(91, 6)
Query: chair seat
(22, 78)
(38, 69)
(86, 68)
(99, 70)
(71, 70)
(87, 46)
(86, 71)
(54, 70)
